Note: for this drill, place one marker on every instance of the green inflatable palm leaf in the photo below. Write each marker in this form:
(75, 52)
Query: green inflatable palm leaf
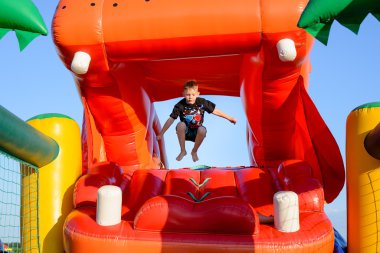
(319, 15)
(3, 32)
(23, 17)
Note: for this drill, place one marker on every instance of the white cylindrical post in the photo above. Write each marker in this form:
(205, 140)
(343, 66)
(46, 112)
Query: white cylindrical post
(80, 63)
(286, 211)
(286, 49)
(108, 211)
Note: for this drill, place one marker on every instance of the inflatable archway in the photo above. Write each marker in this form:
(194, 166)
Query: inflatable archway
(124, 57)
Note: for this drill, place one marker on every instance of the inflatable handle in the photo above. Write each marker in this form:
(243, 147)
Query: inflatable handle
(286, 212)
(108, 210)
(80, 63)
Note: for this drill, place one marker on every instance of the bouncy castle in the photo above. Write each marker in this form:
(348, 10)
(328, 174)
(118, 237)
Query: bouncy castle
(126, 55)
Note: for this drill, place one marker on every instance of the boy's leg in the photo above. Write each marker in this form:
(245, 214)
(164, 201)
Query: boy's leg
(201, 134)
(181, 131)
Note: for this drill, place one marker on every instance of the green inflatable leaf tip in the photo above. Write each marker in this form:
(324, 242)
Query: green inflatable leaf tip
(3, 32)
(352, 27)
(320, 31)
(24, 38)
(376, 15)
(352, 22)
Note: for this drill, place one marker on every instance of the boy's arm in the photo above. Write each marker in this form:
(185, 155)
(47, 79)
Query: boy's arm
(219, 113)
(166, 126)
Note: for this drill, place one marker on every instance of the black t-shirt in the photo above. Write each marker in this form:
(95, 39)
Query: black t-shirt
(192, 114)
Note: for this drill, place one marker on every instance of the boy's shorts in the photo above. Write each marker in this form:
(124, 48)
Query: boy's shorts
(191, 133)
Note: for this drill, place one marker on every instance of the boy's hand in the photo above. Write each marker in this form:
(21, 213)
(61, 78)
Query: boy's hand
(159, 137)
(219, 113)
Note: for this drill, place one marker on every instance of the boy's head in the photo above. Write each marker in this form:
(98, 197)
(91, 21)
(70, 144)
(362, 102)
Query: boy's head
(190, 91)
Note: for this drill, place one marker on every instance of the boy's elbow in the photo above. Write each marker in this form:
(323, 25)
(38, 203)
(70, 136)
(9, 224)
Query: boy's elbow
(216, 112)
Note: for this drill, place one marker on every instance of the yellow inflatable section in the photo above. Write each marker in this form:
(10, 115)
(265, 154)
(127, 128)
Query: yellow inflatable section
(56, 179)
(363, 182)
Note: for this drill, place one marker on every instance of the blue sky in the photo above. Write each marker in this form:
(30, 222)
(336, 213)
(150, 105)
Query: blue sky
(345, 75)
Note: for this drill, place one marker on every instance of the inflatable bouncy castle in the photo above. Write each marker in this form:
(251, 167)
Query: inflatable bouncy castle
(126, 55)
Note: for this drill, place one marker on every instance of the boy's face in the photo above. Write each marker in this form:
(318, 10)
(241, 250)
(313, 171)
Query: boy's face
(190, 95)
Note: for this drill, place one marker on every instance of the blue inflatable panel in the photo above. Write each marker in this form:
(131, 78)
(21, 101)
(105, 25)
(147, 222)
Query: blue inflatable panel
(340, 244)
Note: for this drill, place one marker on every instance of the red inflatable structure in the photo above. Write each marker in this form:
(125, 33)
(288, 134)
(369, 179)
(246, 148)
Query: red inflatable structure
(125, 55)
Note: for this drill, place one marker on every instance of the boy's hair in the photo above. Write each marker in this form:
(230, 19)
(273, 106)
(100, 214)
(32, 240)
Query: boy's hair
(191, 84)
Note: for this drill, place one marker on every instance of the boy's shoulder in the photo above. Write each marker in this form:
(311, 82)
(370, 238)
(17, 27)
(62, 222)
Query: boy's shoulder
(200, 100)
(181, 102)
(203, 101)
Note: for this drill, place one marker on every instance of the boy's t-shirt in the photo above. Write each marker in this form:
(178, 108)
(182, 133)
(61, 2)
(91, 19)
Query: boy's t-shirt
(192, 114)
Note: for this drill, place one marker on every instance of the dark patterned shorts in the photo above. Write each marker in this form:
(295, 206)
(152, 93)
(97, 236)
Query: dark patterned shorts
(190, 134)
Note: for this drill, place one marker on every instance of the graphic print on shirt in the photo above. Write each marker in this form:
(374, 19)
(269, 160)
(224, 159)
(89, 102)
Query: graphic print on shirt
(193, 116)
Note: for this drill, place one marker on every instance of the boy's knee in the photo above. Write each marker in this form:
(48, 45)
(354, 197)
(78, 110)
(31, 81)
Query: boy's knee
(202, 131)
(181, 126)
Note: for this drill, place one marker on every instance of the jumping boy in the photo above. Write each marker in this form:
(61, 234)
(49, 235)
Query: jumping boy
(191, 113)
